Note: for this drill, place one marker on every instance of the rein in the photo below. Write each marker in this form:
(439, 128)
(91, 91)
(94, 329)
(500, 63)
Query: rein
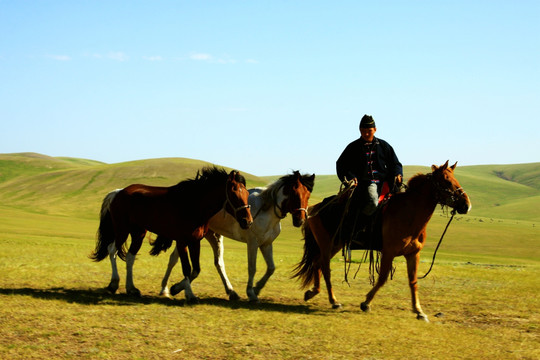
(439, 244)
(439, 198)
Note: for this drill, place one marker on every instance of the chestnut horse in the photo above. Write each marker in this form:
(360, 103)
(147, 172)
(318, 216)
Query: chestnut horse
(180, 212)
(269, 205)
(403, 230)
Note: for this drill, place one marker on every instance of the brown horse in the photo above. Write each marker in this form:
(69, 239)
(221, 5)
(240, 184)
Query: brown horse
(403, 230)
(180, 212)
(269, 205)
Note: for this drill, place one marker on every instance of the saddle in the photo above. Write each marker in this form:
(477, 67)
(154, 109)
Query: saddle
(354, 229)
(364, 232)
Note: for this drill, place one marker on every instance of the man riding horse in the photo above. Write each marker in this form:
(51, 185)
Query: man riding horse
(369, 162)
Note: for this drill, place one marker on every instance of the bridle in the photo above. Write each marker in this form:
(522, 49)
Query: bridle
(284, 213)
(444, 196)
(229, 202)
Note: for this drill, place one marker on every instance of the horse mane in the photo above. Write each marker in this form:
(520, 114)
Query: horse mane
(417, 182)
(307, 181)
(270, 192)
(208, 176)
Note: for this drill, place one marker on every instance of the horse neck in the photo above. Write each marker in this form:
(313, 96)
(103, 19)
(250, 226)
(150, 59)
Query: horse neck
(423, 200)
(275, 200)
(212, 201)
(266, 200)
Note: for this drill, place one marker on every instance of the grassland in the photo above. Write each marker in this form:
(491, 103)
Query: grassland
(482, 296)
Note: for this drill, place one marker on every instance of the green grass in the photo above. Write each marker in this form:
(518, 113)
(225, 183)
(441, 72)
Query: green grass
(481, 296)
(53, 305)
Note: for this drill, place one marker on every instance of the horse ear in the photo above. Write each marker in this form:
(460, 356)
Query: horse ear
(445, 165)
(309, 181)
(453, 167)
(232, 175)
(434, 167)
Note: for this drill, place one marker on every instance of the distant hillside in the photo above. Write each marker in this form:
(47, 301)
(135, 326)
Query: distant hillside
(75, 187)
(28, 164)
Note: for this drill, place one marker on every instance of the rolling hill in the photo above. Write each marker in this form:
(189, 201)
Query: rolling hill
(75, 187)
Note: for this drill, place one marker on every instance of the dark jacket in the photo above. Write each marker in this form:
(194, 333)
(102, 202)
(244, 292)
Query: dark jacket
(353, 163)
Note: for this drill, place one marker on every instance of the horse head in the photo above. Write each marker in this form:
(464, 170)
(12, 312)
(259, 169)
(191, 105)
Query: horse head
(236, 202)
(448, 190)
(297, 190)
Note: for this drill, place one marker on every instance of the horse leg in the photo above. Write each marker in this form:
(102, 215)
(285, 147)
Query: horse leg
(412, 268)
(195, 255)
(268, 255)
(194, 247)
(182, 252)
(216, 242)
(316, 289)
(119, 241)
(325, 269)
(173, 260)
(323, 263)
(386, 267)
(252, 269)
(136, 242)
(115, 277)
(185, 284)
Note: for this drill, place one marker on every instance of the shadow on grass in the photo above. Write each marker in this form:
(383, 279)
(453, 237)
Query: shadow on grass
(102, 297)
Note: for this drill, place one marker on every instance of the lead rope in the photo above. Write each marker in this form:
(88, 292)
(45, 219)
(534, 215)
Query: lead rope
(439, 244)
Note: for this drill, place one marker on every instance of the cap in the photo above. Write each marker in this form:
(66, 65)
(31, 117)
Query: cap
(367, 122)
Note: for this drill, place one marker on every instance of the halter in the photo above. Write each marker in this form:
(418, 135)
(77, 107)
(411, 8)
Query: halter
(229, 202)
(284, 213)
(444, 194)
(291, 211)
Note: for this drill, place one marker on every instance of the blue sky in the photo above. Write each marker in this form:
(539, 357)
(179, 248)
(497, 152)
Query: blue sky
(271, 86)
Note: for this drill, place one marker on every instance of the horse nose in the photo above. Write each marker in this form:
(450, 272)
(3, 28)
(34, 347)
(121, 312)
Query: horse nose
(297, 222)
(245, 223)
(464, 208)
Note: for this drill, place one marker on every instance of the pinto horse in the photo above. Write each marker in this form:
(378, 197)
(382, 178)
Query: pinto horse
(288, 194)
(404, 222)
(180, 212)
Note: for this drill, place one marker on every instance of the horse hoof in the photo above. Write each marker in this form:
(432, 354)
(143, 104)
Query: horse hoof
(365, 307)
(309, 294)
(193, 301)
(111, 289)
(176, 289)
(252, 296)
(336, 306)
(134, 292)
(165, 292)
(422, 317)
(233, 296)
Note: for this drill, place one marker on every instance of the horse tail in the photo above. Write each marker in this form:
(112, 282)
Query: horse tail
(306, 270)
(105, 234)
(160, 244)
